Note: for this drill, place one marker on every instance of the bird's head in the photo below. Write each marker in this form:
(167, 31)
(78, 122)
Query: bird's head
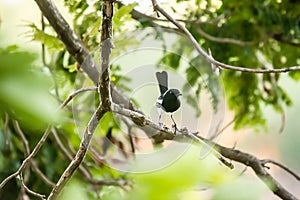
(176, 92)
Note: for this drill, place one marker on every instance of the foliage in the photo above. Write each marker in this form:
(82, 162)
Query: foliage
(272, 30)
(268, 30)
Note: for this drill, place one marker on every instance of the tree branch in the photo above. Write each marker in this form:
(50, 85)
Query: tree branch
(69, 171)
(259, 169)
(72, 43)
(210, 59)
(41, 196)
(28, 158)
(266, 161)
(224, 40)
(106, 46)
(139, 118)
(27, 152)
(40, 143)
(256, 164)
(76, 48)
(104, 91)
(75, 93)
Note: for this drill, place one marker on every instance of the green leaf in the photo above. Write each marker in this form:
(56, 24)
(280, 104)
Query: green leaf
(122, 15)
(171, 59)
(50, 41)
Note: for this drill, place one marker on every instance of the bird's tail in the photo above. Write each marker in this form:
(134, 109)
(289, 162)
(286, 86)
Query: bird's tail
(162, 78)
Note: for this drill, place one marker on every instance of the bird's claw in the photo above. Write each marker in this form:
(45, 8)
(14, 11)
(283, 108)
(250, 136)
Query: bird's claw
(175, 128)
(161, 125)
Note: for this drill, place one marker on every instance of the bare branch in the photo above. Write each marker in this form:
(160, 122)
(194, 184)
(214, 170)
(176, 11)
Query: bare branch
(82, 169)
(36, 169)
(205, 55)
(229, 153)
(41, 196)
(28, 158)
(105, 94)
(73, 43)
(224, 40)
(266, 161)
(71, 96)
(106, 46)
(258, 168)
(22, 136)
(76, 48)
(98, 114)
(214, 151)
(27, 152)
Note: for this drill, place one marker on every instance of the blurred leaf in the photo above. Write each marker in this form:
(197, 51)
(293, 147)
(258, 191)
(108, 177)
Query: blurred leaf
(106, 122)
(112, 193)
(23, 92)
(76, 190)
(72, 68)
(171, 59)
(51, 42)
(122, 15)
(242, 188)
(183, 175)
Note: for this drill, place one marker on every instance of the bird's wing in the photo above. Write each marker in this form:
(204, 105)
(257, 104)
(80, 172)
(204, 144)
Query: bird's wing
(162, 78)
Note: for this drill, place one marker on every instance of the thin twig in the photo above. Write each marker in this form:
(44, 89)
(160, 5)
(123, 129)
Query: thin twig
(42, 140)
(28, 158)
(265, 161)
(224, 128)
(27, 152)
(41, 196)
(43, 45)
(69, 171)
(22, 136)
(213, 150)
(205, 55)
(82, 169)
(224, 40)
(37, 170)
(75, 93)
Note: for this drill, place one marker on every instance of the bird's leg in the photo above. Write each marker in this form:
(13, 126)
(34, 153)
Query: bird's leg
(159, 123)
(174, 124)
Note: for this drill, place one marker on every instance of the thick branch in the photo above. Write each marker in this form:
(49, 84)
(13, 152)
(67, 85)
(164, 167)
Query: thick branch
(98, 114)
(105, 50)
(72, 43)
(76, 48)
(256, 164)
(104, 90)
(259, 169)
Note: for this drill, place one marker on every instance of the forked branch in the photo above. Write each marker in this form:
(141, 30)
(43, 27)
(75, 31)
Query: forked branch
(209, 58)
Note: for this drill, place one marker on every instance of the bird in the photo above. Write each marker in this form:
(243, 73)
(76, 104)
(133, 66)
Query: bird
(168, 101)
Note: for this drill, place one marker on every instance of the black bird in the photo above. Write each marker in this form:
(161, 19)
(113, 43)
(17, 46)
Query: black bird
(168, 100)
